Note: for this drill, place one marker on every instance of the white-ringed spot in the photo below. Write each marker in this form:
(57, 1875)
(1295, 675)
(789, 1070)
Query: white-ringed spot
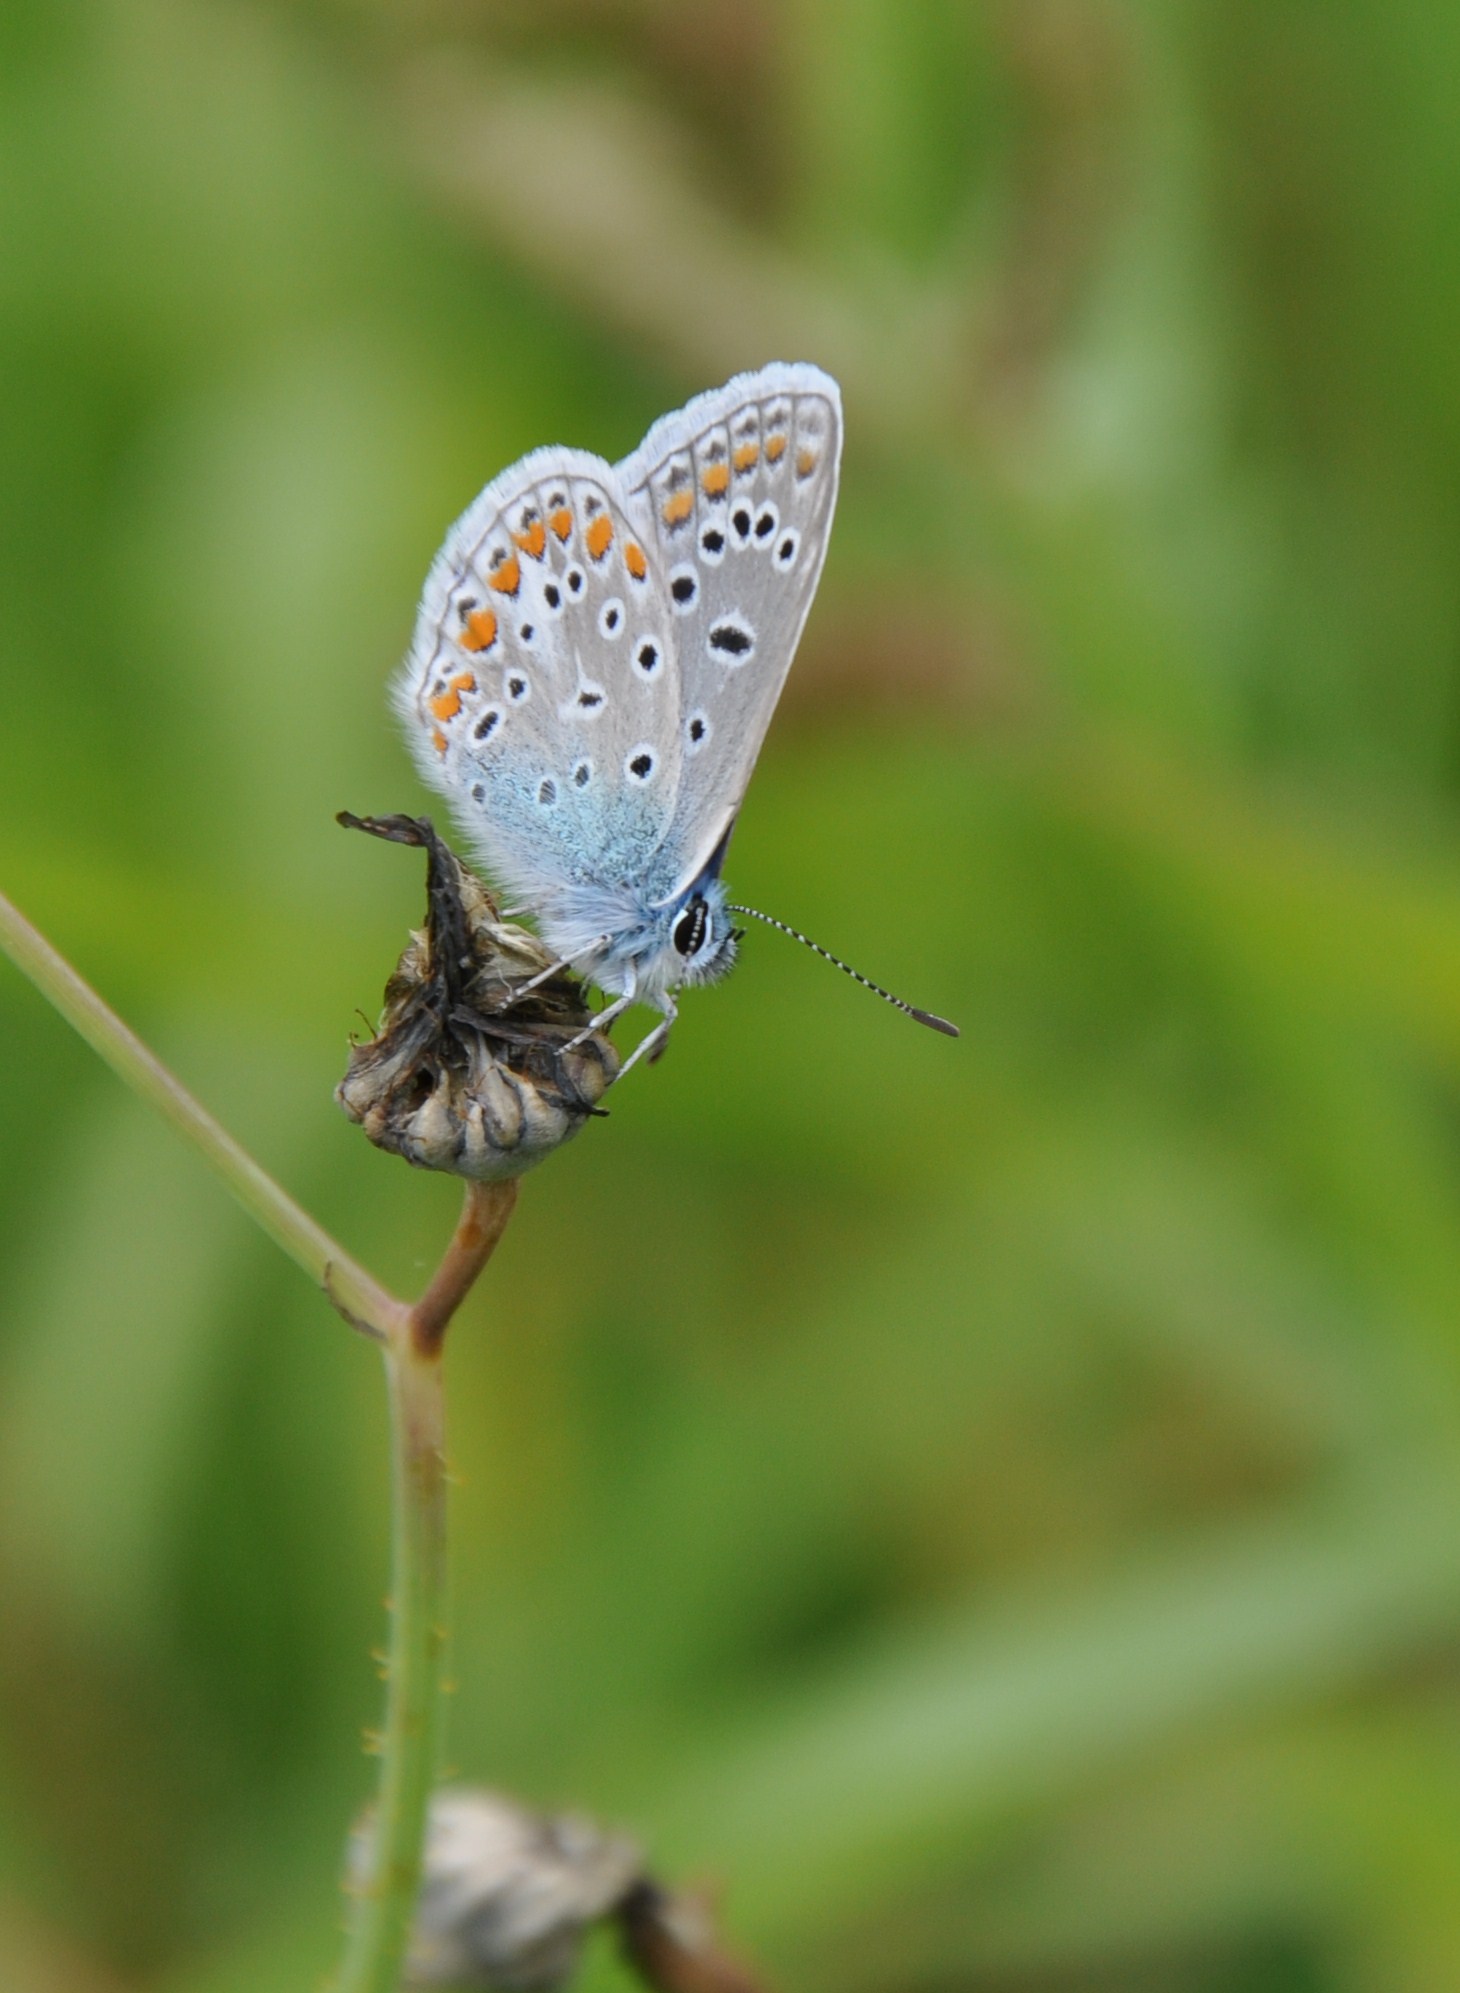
(684, 587)
(731, 640)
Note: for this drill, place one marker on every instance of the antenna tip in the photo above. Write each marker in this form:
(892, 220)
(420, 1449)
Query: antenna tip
(935, 1023)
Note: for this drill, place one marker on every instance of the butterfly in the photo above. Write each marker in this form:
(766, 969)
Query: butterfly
(596, 659)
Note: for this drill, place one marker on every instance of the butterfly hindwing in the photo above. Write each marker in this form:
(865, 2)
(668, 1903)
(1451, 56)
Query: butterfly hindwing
(542, 687)
(734, 496)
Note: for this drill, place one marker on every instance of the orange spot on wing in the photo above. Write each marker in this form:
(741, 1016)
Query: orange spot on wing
(480, 632)
(677, 509)
(746, 455)
(464, 681)
(447, 706)
(805, 462)
(533, 540)
(438, 740)
(505, 577)
(599, 537)
(561, 522)
(634, 560)
(775, 449)
(715, 480)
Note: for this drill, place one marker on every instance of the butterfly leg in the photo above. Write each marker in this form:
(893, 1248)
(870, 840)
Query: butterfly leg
(653, 1043)
(553, 969)
(606, 1016)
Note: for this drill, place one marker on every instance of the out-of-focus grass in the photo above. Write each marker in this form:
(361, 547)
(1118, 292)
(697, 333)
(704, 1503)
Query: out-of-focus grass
(996, 1505)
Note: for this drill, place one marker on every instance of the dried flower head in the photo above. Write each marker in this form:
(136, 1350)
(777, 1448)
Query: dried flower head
(468, 1071)
(507, 1895)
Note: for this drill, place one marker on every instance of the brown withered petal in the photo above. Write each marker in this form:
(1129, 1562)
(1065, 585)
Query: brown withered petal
(468, 1073)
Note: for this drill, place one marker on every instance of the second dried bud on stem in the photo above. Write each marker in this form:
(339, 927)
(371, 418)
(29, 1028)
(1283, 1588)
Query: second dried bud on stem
(509, 1897)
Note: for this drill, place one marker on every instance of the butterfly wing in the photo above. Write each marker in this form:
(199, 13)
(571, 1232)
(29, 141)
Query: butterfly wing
(541, 690)
(733, 495)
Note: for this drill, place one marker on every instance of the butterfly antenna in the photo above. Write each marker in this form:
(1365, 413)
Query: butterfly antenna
(910, 1010)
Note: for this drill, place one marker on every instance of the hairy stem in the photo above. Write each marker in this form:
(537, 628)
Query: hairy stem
(385, 1904)
(386, 1892)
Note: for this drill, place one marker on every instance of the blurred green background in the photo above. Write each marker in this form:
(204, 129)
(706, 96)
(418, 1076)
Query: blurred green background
(994, 1507)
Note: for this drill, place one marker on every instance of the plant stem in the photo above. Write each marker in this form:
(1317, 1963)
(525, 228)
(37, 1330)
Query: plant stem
(363, 1302)
(484, 1215)
(386, 1894)
(412, 1339)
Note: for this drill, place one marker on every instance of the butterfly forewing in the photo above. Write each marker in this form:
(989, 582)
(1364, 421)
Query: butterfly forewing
(542, 685)
(734, 496)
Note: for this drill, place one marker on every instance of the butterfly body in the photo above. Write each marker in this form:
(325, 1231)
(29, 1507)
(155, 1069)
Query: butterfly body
(633, 950)
(596, 660)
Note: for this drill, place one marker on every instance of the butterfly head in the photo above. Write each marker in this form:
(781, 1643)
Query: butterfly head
(704, 936)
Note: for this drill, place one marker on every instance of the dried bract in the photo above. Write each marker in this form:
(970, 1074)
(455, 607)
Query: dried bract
(508, 1895)
(468, 1071)
(672, 1944)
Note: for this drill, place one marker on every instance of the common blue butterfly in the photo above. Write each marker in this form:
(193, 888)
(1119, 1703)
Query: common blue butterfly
(596, 659)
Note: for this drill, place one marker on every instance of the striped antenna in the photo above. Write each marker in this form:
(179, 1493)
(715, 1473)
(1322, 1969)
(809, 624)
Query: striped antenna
(922, 1016)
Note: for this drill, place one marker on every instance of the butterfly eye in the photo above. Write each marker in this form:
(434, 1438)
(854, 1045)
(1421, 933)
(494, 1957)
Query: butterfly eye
(692, 927)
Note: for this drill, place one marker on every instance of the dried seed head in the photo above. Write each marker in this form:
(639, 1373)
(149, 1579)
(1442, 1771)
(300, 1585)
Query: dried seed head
(507, 1895)
(467, 1072)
